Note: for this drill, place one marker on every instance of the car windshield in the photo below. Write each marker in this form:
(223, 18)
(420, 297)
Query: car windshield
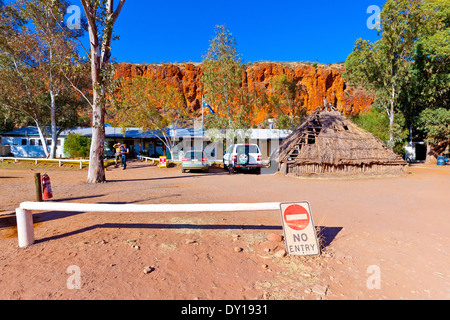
(194, 155)
(247, 149)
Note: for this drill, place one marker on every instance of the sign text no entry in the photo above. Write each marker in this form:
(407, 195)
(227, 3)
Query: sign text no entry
(299, 230)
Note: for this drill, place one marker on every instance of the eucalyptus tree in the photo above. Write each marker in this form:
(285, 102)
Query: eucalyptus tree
(222, 76)
(379, 67)
(34, 51)
(101, 16)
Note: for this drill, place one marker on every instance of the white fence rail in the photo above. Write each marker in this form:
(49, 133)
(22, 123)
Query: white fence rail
(153, 160)
(24, 215)
(37, 160)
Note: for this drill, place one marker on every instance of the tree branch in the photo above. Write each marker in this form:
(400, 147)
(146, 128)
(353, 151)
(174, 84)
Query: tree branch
(117, 12)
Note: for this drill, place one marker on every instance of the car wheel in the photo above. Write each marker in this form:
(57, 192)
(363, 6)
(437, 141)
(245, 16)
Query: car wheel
(258, 171)
(243, 158)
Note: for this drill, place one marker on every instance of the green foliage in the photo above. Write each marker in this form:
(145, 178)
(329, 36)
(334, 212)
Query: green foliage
(286, 96)
(77, 146)
(222, 79)
(427, 82)
(150, 104)
(284, 122)
(37, 58)
(408, 68)
(377, 122)
(436, 123)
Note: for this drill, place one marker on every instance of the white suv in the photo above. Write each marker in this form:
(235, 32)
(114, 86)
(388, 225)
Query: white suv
(244, 157)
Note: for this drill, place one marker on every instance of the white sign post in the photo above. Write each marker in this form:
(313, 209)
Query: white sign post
(299, 231)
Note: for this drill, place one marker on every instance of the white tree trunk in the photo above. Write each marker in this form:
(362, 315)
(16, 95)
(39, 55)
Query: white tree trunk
(96, 171)
(53, 124)
(391, 119)
(41, 136)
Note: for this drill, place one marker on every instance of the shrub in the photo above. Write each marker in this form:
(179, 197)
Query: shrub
(77, 146)
(377, 122)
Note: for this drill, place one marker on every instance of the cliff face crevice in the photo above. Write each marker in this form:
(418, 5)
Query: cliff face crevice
(318, 82)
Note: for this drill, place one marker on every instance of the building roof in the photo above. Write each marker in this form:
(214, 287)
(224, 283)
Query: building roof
(137, 133)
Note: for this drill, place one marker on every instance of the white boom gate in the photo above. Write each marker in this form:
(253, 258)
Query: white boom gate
(24, 215)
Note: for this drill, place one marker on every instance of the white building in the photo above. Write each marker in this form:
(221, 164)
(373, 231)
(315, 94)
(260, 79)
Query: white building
(25, 142)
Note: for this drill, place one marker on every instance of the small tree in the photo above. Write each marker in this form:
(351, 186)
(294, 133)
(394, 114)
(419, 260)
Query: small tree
(222, 76)
(152, 105)
(286, 92)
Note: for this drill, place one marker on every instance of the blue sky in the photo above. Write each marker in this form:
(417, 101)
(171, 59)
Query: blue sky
(285, 30)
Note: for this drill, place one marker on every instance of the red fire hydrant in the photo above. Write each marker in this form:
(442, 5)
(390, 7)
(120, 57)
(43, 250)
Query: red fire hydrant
(46, 187)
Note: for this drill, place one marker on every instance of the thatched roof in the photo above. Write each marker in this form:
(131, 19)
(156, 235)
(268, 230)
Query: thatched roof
(327, 137)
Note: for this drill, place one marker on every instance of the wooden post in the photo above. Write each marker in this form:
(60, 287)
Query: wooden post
(37, 183)
(25, 232)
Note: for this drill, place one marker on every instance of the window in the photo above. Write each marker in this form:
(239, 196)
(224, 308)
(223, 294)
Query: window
(194, 155)
(32, 142)
(24, 142)
(247, 149)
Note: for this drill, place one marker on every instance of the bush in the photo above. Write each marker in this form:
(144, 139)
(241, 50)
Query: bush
(436, 124)
(77, 146)
(377, 122)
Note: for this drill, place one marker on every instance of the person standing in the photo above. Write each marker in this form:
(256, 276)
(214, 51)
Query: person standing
(124, 151)
(117, 155)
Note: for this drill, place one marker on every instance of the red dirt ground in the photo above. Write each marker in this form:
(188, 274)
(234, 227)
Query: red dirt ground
(400, 225)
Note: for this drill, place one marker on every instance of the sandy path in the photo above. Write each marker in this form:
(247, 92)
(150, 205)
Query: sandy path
(397, 226)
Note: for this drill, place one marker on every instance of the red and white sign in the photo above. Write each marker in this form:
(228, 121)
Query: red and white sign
(296, 217)
(163, 162)
(299, 231)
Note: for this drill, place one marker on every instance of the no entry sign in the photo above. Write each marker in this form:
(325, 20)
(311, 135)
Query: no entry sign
(296, 217)
(299, 230)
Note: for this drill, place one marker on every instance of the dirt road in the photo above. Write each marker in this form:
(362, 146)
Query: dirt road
(383, 238)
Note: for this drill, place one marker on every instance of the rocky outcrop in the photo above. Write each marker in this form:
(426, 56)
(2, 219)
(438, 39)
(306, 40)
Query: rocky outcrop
(186, 77)
(319, 82)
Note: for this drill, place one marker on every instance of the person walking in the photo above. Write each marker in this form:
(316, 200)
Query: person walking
(117, 155)
(124, 151)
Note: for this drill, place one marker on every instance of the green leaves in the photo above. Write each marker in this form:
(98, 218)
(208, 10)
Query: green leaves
(436, 123)
(408, 68)
(149, 104)
(286, 97)
(76, 146)
(222, 76)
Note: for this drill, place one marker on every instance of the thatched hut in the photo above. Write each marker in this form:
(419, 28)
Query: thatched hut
(328, 143)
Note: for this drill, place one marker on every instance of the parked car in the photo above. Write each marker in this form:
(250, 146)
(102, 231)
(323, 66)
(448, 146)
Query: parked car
(194, 160)
(243, 157)
(108, 153)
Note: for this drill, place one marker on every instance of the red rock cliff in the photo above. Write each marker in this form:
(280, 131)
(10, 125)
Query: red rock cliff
(319, 82)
